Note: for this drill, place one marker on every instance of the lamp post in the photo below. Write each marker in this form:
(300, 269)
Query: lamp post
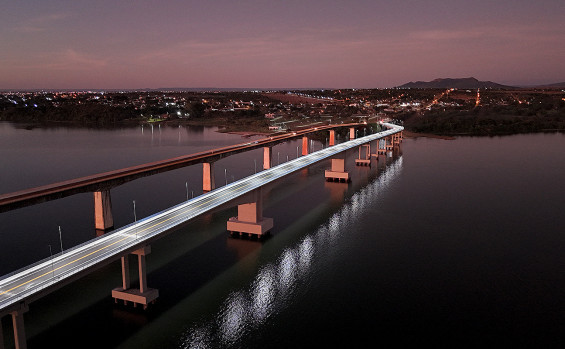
(61, 239)
(226, 175)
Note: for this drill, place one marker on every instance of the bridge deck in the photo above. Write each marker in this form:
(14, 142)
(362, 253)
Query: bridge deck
(33, 281)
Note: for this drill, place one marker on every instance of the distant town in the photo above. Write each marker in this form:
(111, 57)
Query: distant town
(443, 111)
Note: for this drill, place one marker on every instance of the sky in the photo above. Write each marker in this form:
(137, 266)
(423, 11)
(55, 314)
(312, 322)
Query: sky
(118, 44)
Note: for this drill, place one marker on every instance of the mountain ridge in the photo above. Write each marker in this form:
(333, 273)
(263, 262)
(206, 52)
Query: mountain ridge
(469, 83)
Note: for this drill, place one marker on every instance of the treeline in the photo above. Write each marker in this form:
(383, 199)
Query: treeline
(493, 120)
(86, 113)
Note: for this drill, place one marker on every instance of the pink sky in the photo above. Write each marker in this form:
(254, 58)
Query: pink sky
(277, 44)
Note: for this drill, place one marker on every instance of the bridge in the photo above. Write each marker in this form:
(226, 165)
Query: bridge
(19, 289)
(103, 181)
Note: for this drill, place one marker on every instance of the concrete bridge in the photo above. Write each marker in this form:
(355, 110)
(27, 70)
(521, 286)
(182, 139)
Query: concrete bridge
(19, 289)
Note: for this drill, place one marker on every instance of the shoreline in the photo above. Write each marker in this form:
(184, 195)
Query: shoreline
(409, 134)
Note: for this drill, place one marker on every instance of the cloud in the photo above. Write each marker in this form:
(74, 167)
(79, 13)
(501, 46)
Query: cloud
(41, 23)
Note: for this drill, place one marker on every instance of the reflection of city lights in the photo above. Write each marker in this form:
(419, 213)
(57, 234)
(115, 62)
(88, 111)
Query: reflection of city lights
(233, 318)
(287, 270)
(275, 283)
(263, 293)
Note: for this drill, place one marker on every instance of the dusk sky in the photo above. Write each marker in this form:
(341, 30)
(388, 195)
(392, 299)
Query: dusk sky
(74, 44)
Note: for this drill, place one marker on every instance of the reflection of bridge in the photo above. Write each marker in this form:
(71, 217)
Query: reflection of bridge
(33, 282)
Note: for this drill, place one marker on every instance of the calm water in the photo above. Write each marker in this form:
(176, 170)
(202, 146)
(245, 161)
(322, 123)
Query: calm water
(454, 243)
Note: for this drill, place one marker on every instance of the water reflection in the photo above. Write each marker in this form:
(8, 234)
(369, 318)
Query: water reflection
(275, 284)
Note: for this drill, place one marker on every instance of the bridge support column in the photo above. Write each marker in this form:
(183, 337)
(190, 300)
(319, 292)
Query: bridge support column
(304, 146)
(267, 157)
(389, 143)
(250, 218)
(381, 146)
(208, 182)
(337, 173)
(365, 158)
(103, 219)
(332, 137)
(352, 133)
(20, 341)
(144, 295)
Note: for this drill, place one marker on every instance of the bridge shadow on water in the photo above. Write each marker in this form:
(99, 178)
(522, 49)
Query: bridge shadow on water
(190, 257)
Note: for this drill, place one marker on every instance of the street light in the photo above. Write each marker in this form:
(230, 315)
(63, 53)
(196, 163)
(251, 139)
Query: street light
(226, 175)
(186, 184)
(61, 239)
(297, 152)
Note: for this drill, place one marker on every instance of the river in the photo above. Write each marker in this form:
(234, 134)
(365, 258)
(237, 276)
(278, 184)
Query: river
(447, 242)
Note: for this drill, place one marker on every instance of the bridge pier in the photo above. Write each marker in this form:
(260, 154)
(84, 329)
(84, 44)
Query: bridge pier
(332, 137)
(144, 295)
(20, 340)
(389, 143)
(381, 147)
(366, 159)
(337, 172)
(103, 219)
(267, 157)
(208, 182)
(304, 146)
(250, 218)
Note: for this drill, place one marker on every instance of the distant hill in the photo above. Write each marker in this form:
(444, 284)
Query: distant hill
(469, 83)
(556, 85)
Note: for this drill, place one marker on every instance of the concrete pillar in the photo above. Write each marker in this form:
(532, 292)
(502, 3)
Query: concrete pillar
(337, 172)
(103, 219)
(267, 157)
(19, 328)
(364, 157)
(389, 142)
(332, 137)
(250, 218)
(208, 182)
(144, 295)
(142, 273)
(352, 133)
(125, 272)
(304, 145)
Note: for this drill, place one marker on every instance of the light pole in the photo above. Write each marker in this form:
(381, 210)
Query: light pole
(61, 239)
(297, 152)
(226, 175)
(278, 157)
